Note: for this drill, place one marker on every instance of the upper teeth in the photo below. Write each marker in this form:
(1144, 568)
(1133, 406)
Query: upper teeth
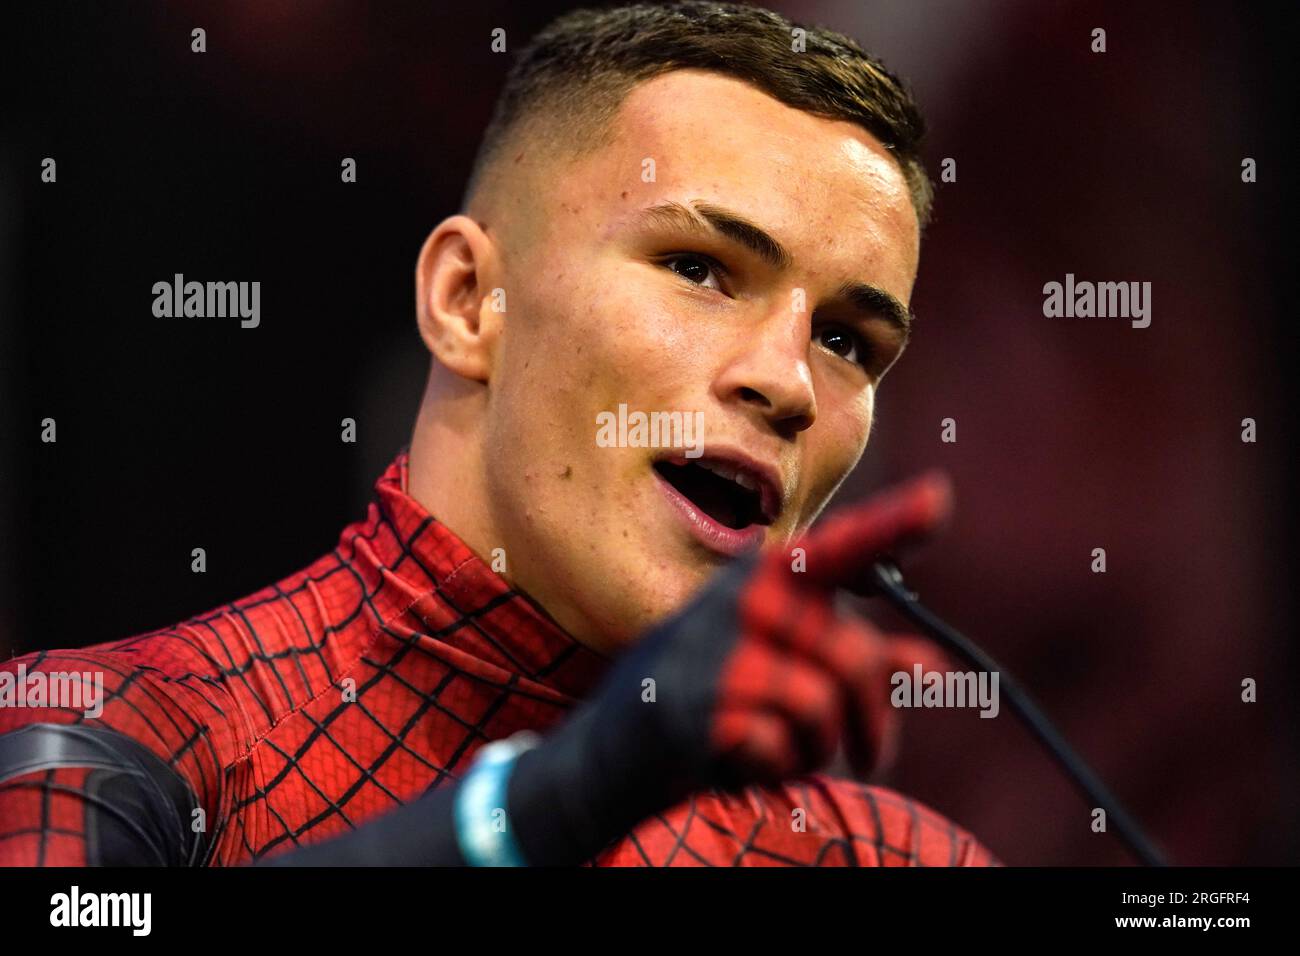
(741, 478)
(719, 469)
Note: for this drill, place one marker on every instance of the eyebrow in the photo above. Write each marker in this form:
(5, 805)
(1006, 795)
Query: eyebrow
(704, 218)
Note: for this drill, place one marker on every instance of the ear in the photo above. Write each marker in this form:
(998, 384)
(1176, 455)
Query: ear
(453, 300)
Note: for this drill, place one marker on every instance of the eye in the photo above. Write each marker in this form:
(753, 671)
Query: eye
(695, 268)
(845, 343)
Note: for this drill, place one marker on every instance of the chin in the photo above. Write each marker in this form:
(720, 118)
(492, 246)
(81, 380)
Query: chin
(655, 580)
(671, 592)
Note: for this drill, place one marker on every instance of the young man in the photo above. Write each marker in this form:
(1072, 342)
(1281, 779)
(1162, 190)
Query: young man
(696, 214)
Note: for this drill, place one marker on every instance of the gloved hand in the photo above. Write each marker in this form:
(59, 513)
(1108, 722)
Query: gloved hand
(755, 680)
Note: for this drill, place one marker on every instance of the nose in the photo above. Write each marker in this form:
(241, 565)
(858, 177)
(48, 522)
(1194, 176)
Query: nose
(769, 373)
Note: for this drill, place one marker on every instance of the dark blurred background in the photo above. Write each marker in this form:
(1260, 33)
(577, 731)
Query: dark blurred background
(1072, 434)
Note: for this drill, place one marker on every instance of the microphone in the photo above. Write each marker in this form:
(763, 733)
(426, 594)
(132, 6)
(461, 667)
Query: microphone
(886, 580)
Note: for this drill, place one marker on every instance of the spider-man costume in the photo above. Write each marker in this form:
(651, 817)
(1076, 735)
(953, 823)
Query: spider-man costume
(360, 684)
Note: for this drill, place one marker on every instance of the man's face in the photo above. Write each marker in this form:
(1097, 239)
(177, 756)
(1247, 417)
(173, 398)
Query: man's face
(609, 305)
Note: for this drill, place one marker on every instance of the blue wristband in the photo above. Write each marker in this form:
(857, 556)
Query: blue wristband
(482, 818)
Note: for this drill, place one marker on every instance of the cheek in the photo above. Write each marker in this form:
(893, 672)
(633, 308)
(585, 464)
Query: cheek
(578, 345)
(620, 337)
(837, 448)
(854, 429)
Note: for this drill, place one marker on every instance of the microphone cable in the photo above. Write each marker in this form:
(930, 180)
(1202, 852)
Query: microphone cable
(888, 583)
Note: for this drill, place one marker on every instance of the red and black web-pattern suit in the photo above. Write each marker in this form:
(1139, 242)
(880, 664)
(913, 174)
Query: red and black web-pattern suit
(371, 677)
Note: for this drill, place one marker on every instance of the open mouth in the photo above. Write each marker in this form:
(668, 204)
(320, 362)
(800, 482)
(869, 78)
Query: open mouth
(729, 496)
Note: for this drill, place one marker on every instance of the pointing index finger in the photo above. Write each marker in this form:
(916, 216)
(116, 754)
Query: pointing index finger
(840, 552)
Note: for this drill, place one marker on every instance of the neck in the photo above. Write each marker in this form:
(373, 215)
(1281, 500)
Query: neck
(447, 474)
(446, 462)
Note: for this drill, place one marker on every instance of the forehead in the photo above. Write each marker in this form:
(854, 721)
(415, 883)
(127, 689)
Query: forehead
(825, 188)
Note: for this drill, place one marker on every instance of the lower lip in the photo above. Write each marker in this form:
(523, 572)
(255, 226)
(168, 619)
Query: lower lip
(712, 534)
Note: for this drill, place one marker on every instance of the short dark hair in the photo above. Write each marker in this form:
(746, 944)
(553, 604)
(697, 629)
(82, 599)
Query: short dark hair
(569, 81)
